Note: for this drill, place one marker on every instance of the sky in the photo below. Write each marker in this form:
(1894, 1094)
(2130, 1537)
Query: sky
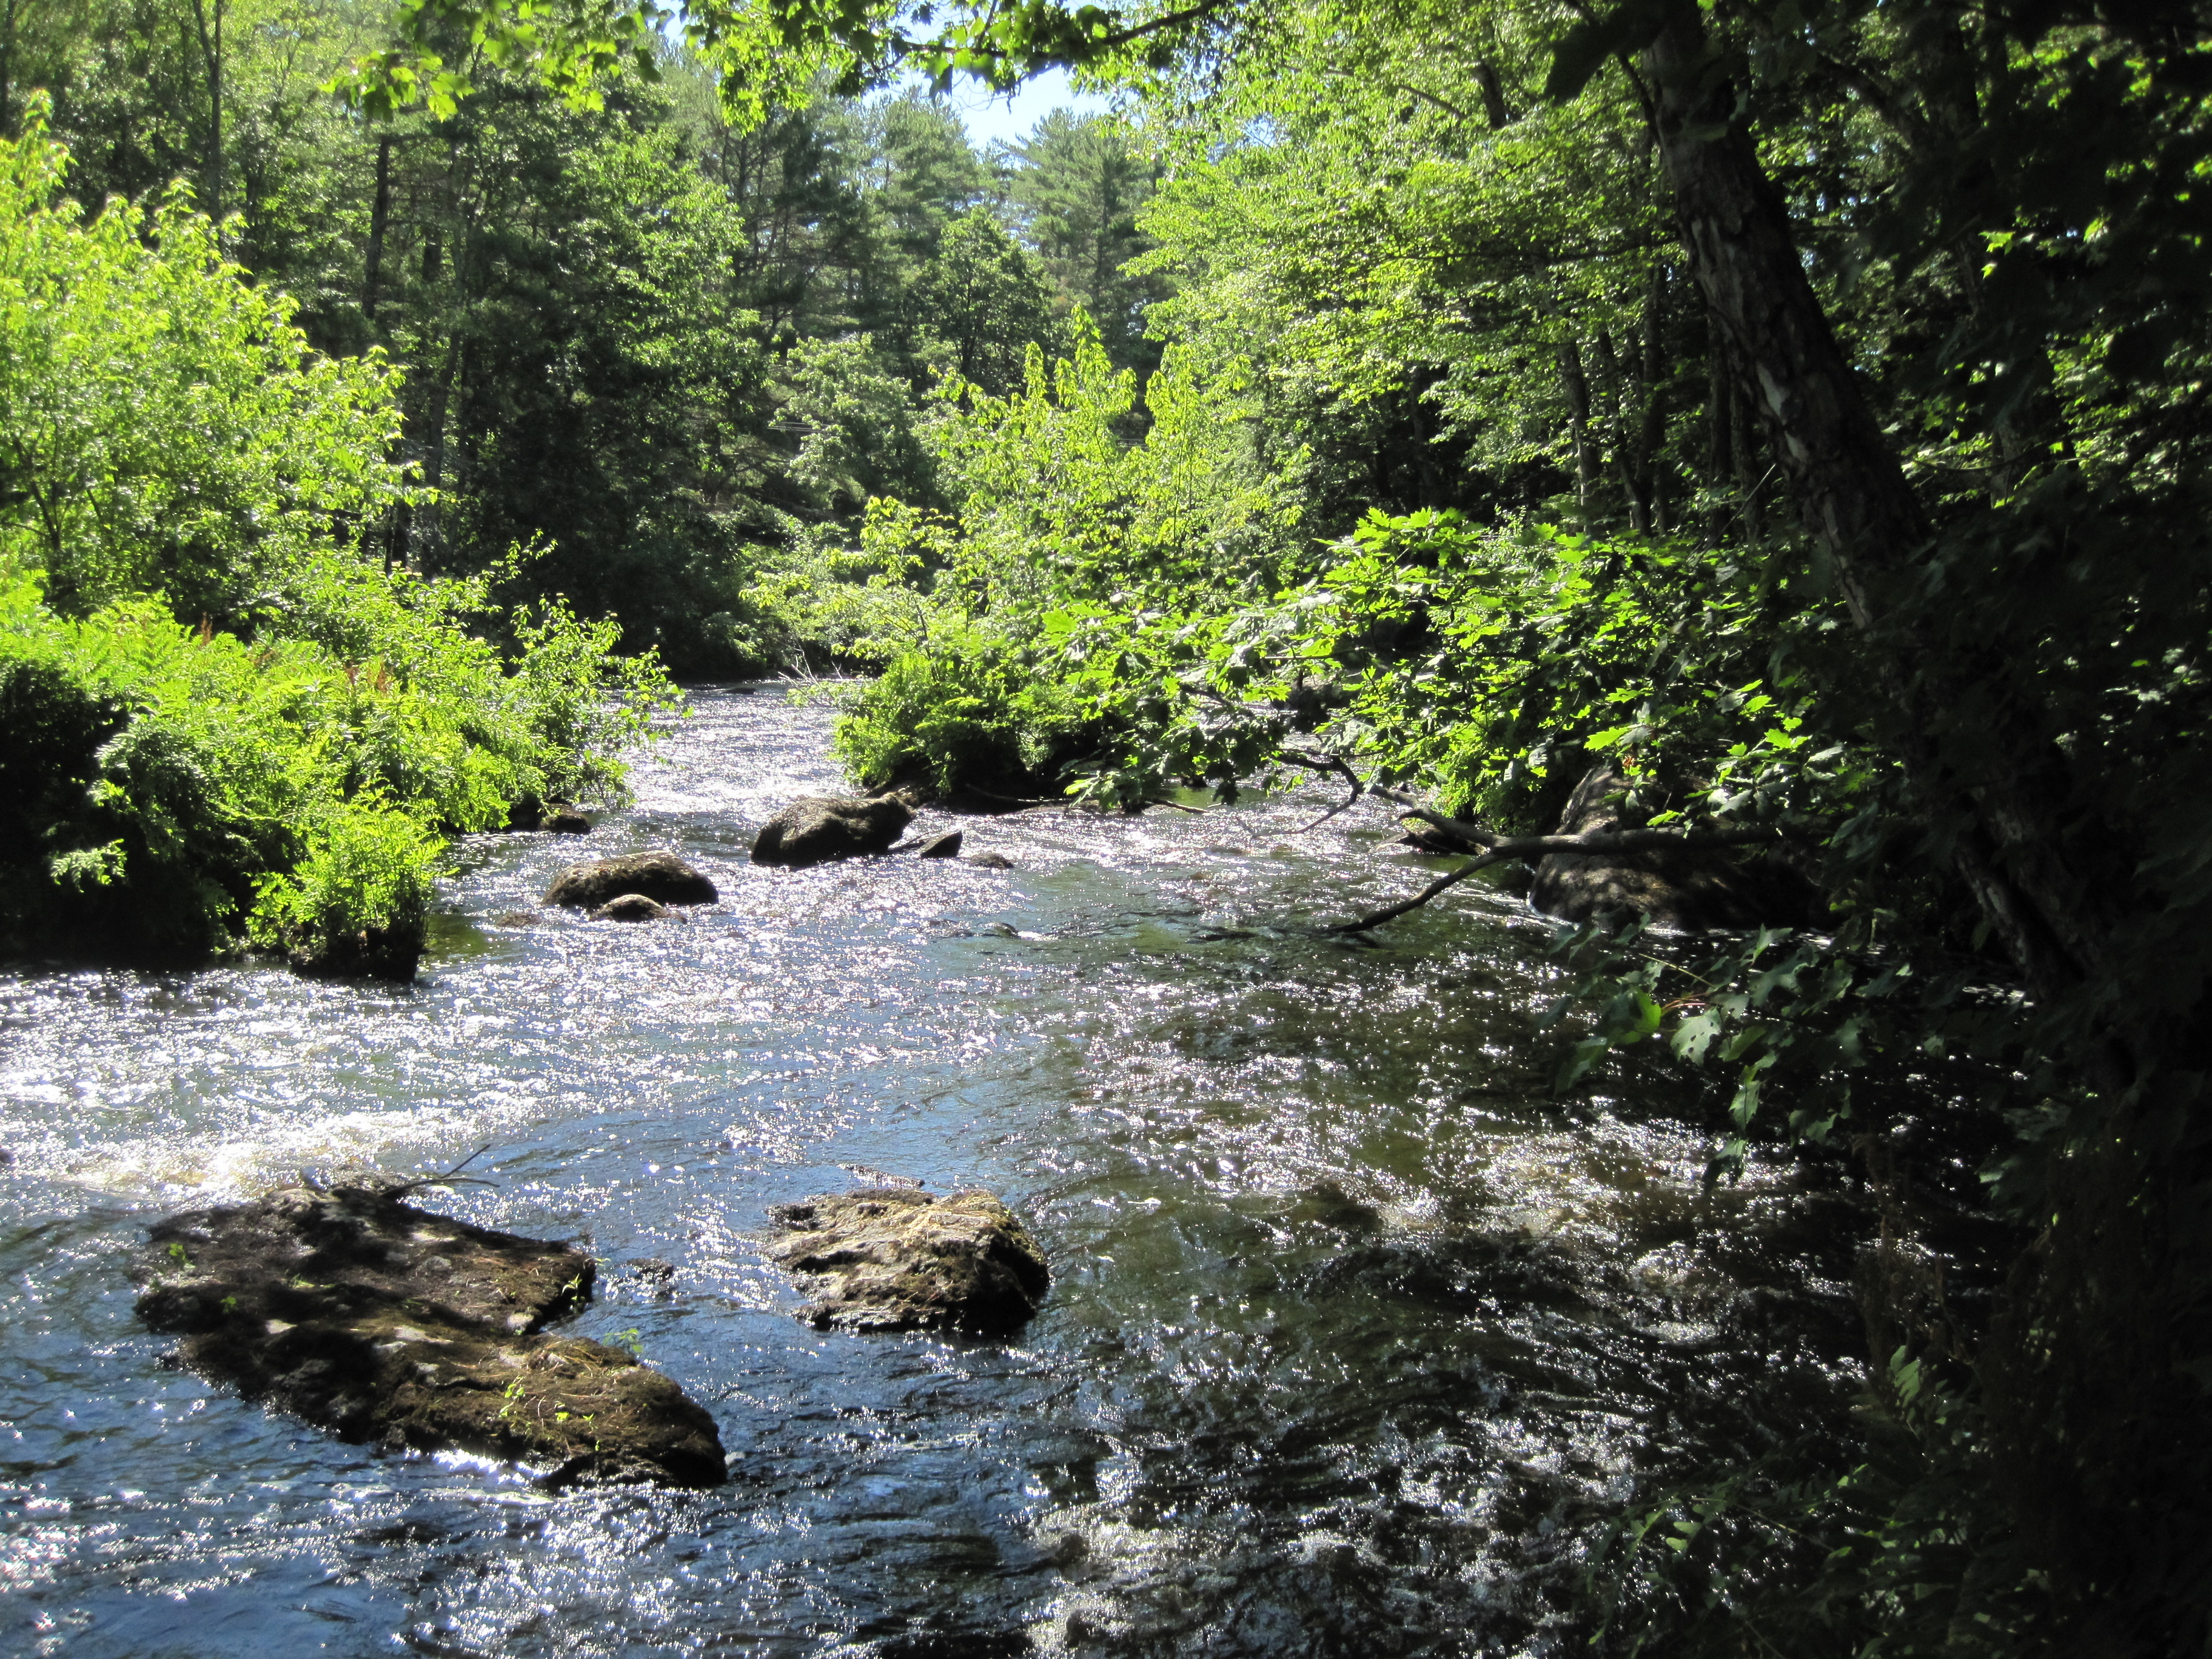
(1011, 117)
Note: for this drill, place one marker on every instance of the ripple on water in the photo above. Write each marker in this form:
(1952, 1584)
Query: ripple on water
(1356, 1333)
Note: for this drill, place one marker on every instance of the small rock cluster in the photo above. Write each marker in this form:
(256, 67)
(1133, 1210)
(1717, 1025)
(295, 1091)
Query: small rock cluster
(636, 887)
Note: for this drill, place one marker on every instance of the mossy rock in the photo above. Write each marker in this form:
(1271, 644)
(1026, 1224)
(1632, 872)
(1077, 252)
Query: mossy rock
(381, 1322)
(659, 876)
(892, 1259)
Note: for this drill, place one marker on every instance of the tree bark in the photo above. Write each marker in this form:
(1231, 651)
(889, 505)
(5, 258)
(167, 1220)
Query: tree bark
(1577, 384)
(1652, 435)
(380, 217)
(1856, 502)
(211, 55)
(1720, 428)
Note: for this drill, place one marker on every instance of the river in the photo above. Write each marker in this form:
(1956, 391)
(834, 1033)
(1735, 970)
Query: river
(1358, 1336)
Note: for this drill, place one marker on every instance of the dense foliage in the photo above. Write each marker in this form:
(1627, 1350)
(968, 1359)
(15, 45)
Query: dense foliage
(1796, 409)
(222, 721)
(670, 348)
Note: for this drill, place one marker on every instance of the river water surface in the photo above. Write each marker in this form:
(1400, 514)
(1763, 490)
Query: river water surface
(1358, 1337)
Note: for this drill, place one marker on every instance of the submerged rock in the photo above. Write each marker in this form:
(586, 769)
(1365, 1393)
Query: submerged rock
(381, 1322)
(892, 1259)
(816, 828)
(631, 907)
(372, 953)
(659, 876)
(1694, 890)
(567, 821)
(988, 860)
(946, 846)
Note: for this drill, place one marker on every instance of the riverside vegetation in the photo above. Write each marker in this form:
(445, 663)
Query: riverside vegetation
(1797, 408)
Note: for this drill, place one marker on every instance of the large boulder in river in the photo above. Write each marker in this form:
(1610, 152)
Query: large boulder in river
(661, 877)
(815, 828)
(892, 1259)
(1695, 891)
(380, 1321)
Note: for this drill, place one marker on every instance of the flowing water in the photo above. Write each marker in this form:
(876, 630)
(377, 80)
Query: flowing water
(1357, 1336)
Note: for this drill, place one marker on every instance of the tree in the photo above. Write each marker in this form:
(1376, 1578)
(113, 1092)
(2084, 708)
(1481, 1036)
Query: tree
(984, 299)
(1076, 186)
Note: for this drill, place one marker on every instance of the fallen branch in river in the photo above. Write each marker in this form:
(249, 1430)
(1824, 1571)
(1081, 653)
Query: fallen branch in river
(1494, 848)
(1390, 912)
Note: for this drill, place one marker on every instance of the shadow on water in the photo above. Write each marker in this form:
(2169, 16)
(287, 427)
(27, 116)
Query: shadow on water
(1356, 1334)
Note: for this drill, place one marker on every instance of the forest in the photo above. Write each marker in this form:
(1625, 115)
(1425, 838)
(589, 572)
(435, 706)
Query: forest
(1785, 413)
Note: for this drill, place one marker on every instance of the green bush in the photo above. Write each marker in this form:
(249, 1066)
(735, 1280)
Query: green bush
(174, 788)
(967, 712)
(358, 899)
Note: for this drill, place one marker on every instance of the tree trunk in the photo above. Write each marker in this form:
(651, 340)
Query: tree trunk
(1855, 500)
(1625, 458)
(211, 54)
(1577, 384)
(1720, 424)
(380, 217)
(1652, 435)
(8, 68)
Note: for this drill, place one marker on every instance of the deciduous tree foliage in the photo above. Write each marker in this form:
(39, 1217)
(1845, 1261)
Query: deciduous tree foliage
(1863, 349)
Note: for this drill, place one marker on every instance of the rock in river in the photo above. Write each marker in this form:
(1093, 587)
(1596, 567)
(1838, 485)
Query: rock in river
(946, 846)
(815, 828)
(1686, 889)
(382, 1321)
(661, 877)
(631, 907)
(892, 1259)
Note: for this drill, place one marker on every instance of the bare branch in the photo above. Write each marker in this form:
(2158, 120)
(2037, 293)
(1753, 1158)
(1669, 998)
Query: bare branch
(1476, 839)
(1390, 912)
(1337, 764)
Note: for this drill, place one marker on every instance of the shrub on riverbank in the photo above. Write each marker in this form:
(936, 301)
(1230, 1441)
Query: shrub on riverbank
(997, 672)
(182, 790)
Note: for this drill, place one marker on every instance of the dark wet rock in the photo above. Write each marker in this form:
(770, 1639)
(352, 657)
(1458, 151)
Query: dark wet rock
(892, 1259)
(946, 846)
(659, 876)
(516, 919)
(631, 907)
(390, 953)
(648, 1276)
(816, 828)
(1694, 890)
(988, 860)
(558, 818)
(380, 1321)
